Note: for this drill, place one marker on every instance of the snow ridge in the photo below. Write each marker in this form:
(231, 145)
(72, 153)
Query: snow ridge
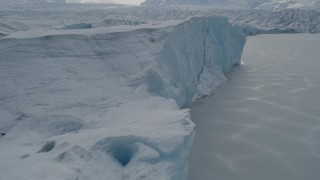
(96, 104)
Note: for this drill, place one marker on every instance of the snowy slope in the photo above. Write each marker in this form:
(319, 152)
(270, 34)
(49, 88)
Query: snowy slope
(104, 102)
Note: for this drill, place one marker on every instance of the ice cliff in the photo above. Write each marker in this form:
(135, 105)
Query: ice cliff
(106, 103)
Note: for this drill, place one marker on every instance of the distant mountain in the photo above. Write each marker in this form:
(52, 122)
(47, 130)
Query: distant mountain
(31, 1)
(273, 4)
(230, 3)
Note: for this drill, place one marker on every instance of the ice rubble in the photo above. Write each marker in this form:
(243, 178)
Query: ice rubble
(105, 103)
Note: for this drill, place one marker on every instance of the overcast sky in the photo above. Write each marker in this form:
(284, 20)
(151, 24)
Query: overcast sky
(106, 1)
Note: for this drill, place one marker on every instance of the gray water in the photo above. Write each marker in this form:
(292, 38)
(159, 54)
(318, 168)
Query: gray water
(264, 123)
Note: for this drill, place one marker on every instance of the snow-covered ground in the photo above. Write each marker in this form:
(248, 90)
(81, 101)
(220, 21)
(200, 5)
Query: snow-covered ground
(265, 4)
(264, 123)
(103, 101)
(78, 16)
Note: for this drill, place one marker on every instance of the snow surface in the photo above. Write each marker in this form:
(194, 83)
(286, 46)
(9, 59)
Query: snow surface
(264, 123)
(86, 102)
(48, 16)
(265, 4)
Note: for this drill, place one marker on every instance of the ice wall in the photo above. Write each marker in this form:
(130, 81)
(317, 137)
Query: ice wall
(196, 57)
(105, 103)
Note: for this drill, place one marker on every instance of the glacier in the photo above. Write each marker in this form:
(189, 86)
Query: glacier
(108, 102)
(242, 4)
(47, 16)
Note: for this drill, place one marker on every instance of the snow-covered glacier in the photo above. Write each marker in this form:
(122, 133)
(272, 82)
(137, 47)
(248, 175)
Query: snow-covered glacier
(78, 16)
(108, 102)
(258, 4)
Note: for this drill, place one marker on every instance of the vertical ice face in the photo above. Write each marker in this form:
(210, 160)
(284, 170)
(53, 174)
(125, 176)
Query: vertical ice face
(196, 57)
